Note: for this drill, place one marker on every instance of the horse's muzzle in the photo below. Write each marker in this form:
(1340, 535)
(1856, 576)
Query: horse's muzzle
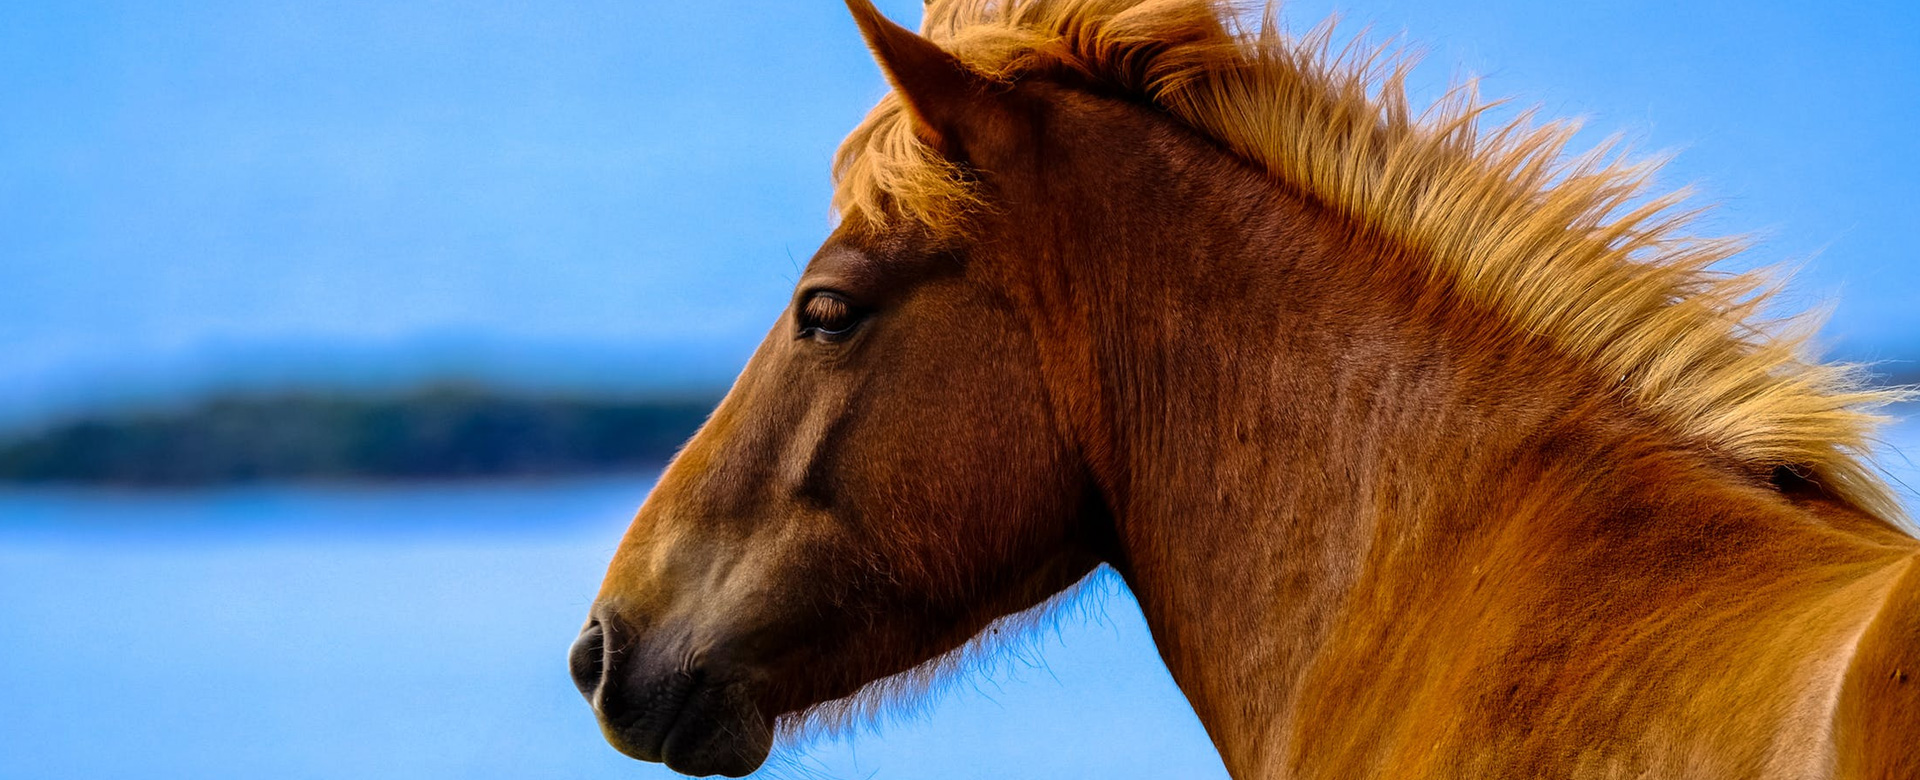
(693, 720)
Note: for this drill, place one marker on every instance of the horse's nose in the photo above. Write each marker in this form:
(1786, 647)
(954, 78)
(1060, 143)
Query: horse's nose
(588, 658)
(654, 704)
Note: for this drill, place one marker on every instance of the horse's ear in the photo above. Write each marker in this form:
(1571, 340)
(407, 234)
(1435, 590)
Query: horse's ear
(944, 94)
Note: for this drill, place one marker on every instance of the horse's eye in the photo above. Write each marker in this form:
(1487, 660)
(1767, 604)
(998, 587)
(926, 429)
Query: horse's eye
(827, 315)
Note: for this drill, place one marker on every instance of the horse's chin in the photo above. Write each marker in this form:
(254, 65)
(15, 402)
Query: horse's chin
(694, 728)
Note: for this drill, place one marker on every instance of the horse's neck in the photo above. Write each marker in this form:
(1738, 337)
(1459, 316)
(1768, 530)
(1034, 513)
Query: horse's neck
(1316, 456)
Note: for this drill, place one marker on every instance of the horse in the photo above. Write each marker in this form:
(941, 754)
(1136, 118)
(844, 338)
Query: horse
(1428, 448)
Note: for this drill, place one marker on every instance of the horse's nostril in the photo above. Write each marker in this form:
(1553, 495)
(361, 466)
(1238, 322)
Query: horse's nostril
(587, 658)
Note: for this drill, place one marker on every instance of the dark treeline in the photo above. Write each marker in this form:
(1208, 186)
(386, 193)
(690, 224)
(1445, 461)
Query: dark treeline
(435, 433)
(428, 434)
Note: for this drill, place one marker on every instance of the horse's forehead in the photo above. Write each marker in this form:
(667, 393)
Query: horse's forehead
(842, 256)
(891, 255)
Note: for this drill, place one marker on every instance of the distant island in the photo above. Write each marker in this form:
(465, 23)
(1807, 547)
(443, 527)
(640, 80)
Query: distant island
(433, 433)
(438, 432)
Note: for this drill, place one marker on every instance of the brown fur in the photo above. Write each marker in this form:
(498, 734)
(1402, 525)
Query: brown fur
(1418, 464)
(1572, 249)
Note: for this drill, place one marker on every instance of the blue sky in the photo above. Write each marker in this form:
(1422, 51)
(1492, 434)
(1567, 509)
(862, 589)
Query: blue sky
(614, 193)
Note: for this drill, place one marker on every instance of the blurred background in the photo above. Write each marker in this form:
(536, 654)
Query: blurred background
(342, 339)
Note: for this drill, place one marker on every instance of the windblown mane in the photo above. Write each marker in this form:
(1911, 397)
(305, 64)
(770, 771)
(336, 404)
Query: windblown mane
(1569, 248)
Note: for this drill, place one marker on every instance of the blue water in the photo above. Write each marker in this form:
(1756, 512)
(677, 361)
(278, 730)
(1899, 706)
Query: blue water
(421, 633)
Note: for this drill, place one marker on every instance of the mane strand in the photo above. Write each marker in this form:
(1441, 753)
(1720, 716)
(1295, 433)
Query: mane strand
(1572, 249)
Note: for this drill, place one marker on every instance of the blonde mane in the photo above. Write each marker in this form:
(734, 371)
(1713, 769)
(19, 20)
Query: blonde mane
(1570, 248)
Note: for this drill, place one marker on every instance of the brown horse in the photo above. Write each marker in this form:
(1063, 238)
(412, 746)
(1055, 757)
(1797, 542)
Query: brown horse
(1426, 451)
